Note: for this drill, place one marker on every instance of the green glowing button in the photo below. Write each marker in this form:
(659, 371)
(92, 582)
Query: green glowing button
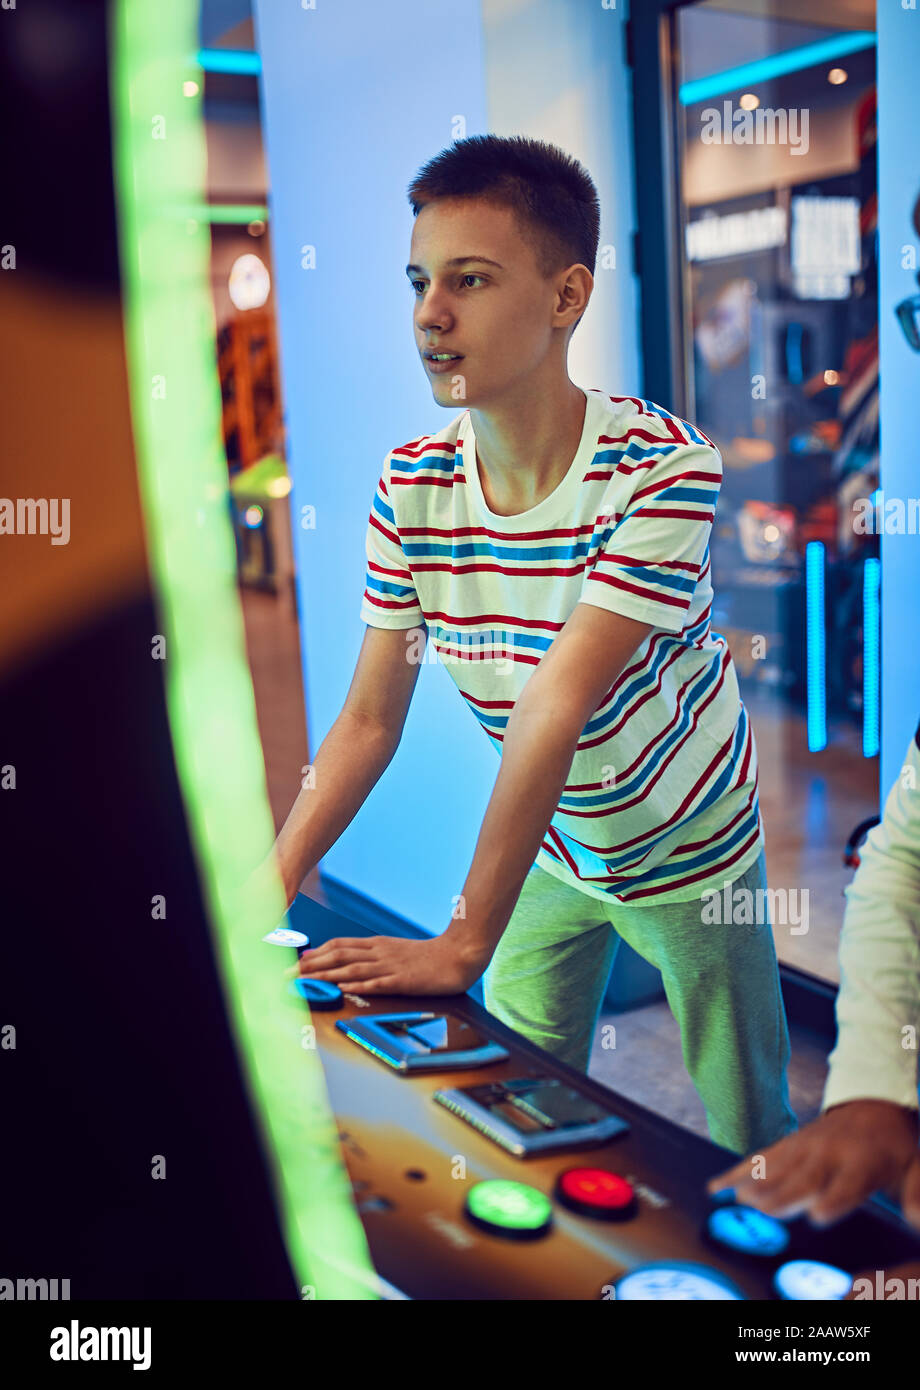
(507, 1208)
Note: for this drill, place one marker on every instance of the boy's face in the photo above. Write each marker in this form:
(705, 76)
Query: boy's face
(499, 317)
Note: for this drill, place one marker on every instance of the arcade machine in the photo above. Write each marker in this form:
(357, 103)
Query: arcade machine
(483, 1168)
(160, 1141)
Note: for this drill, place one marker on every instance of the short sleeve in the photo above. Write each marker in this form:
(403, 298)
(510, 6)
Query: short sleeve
(389, 597)
(652, 554)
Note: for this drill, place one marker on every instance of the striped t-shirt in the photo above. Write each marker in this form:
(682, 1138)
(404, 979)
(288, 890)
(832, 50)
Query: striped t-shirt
(660, 804)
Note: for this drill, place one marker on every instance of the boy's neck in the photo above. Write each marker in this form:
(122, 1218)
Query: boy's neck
(523, 452)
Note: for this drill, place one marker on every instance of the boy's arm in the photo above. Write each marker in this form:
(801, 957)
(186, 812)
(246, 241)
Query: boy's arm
(355, 752)
(540, 740)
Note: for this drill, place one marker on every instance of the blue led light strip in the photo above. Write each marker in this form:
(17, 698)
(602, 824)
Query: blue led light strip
(777, 65)
(237, 60)
(871, 577)
(814, 638)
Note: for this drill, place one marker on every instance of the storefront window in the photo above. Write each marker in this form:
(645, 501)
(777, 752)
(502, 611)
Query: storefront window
(776, 163)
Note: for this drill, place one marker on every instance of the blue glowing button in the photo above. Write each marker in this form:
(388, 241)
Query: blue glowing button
(284, 936)
(319, 994)
(800, 1280)
(507, 1208)
(596, 1192)
(676, 1279)
(747, 1230)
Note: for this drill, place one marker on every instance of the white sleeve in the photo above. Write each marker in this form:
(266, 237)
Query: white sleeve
(878, 1005)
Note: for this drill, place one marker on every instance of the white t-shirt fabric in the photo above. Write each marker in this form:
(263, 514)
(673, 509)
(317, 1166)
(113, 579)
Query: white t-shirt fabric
(878, 1004)
(661, 802)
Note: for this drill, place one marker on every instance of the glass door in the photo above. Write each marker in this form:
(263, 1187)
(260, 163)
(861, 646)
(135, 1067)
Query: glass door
(773, 121)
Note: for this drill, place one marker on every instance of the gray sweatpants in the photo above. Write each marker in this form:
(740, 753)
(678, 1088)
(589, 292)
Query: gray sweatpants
(549, 973)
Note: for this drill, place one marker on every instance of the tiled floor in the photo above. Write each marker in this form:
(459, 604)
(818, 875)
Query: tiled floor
(647, 1066)
(810, 804)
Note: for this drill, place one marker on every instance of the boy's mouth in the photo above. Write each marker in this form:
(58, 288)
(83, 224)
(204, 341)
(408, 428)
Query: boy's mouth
(439, 363)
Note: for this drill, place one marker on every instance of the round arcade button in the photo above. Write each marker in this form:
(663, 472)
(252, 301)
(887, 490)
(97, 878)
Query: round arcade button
(596, 1192)
(811, 1280)
(286, 936)
(676, 1280)
(507, 1208)
(747, 1230)
(319, 994)
(673, 1280)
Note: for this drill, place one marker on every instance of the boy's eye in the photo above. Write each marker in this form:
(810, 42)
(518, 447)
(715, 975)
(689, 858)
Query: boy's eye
(469, 276)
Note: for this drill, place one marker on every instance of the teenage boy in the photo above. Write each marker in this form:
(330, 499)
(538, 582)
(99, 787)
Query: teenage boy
(554, 544)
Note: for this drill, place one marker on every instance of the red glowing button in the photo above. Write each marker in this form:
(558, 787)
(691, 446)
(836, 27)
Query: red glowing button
(596, 1192)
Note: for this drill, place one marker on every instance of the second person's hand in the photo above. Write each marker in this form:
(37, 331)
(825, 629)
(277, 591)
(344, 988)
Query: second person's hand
(830, 1166)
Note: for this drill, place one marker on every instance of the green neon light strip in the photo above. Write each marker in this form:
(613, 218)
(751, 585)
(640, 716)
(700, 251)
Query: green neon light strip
(232, 212)
(159, 159)
(221, 212)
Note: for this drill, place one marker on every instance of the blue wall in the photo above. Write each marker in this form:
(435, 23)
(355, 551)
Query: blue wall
(899, 186)
(356, 97)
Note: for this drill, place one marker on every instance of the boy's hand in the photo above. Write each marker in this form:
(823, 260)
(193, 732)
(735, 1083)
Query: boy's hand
(393, 965)
(829, 1167)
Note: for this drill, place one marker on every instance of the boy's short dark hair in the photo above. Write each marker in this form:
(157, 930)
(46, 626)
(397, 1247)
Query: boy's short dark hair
(552, 197)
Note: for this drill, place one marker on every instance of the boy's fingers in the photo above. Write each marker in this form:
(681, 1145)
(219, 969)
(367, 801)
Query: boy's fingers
(342, 974)
(313, 969)
(339, 943)
(386, 984)
(340, 956)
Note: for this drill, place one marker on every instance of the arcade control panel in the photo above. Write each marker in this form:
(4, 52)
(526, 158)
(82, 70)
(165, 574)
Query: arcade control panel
(483, 1168)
